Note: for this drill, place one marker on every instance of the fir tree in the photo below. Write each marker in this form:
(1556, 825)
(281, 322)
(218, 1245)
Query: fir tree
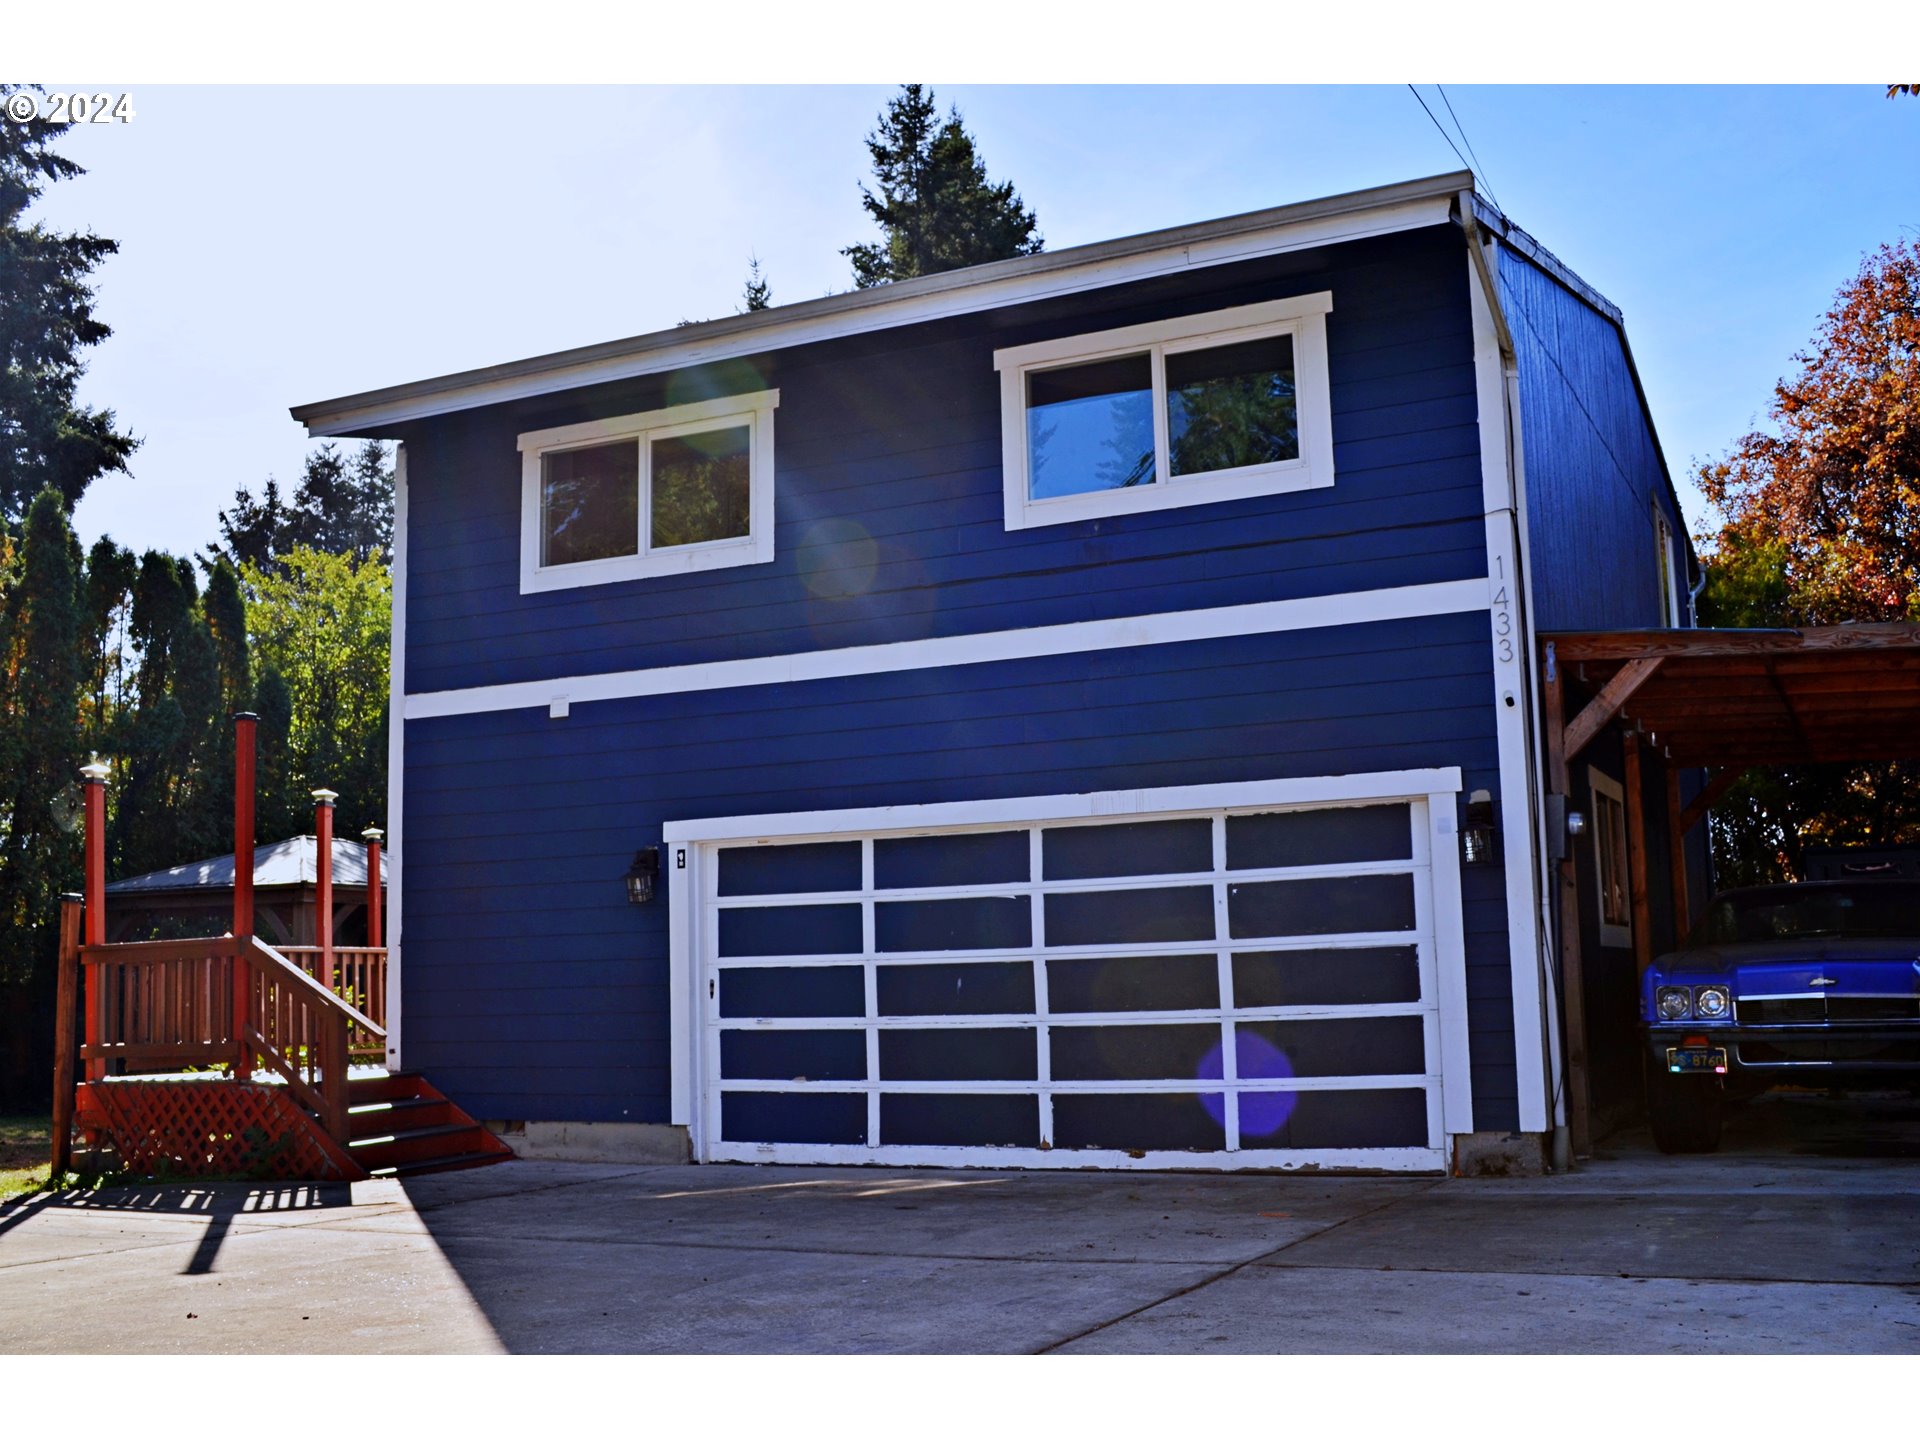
(936, 208)
(46, 322)
(343, 506)
(758, 293)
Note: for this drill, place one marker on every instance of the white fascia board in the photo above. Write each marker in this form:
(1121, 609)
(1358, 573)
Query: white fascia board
(1362, 607)
(1317, 790)
(959, 292)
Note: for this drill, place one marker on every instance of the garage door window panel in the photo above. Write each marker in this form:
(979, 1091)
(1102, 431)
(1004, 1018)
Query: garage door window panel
(1119, 983)
(793, 1118)
(1158, 1121)
(1158, 847)
(923, 862)
(793, 1055)
(757, 930)
(790, 869)
(1354, 904)
(960, 1120)
(1321, 1048)
(1129, 917)
(959, 1053)
(1134, 1052)
(792, 992)
(1370, 975)
(1292, 839)
(976, 989)
(987, 922)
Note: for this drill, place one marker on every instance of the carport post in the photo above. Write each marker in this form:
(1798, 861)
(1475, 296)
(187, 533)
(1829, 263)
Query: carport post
(1573, 998)
(1633, 784)
(1677, 858)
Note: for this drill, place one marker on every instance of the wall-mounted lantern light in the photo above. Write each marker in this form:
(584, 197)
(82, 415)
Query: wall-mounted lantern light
(643, 874)
(1476, 835)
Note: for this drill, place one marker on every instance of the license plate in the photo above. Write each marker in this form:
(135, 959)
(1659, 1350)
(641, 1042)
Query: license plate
(1687, 1062)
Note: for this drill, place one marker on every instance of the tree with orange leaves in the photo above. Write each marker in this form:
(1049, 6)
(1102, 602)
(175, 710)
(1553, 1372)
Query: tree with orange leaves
(1820, 524)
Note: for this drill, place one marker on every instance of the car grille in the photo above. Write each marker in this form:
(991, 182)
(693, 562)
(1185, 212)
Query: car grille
(1825, 1009)
(1821, 1050)
(1807, 1010)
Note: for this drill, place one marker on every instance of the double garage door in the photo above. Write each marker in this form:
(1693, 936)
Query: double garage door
(1222, 988)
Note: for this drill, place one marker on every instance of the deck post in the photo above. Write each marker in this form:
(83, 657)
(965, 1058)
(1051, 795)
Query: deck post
(323, 880)
(244, 726)
(65, 994)
(94, 883)
(374, 893)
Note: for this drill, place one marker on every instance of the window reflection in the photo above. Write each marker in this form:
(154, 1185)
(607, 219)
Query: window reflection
(1090, 427)
(701, 487)
(590, 503)
(1232, 405)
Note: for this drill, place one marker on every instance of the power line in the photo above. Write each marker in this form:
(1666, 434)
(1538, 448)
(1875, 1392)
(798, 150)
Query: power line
(1468, 164)
(1477, 168)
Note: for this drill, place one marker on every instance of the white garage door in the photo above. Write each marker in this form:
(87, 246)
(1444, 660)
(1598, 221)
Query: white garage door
(1224, 988)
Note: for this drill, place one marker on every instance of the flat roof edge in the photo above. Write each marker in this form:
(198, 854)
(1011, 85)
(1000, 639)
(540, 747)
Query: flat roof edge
(978, 287)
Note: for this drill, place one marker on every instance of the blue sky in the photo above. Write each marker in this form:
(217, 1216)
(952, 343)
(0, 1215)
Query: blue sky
(290, 244)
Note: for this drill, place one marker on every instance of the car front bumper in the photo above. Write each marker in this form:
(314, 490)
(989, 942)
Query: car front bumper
(1782, 1049)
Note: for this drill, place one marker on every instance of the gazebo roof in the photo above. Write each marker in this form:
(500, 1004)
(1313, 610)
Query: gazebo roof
(285, 864)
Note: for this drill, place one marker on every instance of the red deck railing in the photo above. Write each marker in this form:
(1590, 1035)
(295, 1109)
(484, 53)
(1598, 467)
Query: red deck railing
(360, 979)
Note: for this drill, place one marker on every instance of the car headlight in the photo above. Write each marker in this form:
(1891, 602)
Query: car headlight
(1673, 1002)
(1710, 1002)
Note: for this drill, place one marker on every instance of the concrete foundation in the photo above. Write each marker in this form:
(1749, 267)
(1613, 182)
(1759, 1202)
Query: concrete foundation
(1486, 1154)
(595, 1144)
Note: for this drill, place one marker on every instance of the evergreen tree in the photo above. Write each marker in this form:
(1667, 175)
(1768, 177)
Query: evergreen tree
(111, 572)
(936, 208)
(46, 322)
(758, 293)
(343, 506)
(226, 611)
(40, 631)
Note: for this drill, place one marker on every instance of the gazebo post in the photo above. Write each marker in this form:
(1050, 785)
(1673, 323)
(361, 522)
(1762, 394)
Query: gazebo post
(323, 880)
(372, 836)
(94, 899)
(244, 725)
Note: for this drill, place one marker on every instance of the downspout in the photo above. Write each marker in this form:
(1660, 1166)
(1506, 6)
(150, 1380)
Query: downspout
(1478, 240)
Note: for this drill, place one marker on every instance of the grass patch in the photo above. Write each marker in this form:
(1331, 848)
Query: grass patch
(26, 1144)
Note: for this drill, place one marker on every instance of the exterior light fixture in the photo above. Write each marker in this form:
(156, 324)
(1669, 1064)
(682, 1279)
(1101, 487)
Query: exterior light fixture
(1476, 836)
(372, 834)
(325, 797)
(96, 768)
(643, 874)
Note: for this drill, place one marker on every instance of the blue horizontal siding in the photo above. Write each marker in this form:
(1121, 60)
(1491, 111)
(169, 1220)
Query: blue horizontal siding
(888, 453)
(532, 990)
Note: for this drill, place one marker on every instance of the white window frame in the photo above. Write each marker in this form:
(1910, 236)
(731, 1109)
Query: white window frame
(1605, 787)
(1669, 565)
(1304, 317)
(752, 411)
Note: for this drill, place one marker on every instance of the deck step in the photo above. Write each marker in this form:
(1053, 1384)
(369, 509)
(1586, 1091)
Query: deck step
(384, 1117)
(429, 1142)
(428, 1167)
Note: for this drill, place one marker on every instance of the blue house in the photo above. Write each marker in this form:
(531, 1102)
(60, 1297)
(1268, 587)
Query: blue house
(1082, 710)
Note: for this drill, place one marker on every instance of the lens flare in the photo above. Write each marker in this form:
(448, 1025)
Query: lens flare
(1262, 1112)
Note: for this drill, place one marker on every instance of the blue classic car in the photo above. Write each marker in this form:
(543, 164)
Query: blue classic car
(1782, 984)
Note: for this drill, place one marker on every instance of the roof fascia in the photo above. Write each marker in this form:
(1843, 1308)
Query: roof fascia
(1355, 216)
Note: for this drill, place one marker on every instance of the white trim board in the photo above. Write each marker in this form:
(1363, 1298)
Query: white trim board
(1511, 638)
(985, 287)
(1406, 602)
(1311, 790)
(396, 751)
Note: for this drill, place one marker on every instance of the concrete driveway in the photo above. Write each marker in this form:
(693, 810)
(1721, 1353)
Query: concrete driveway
(1804, 1237)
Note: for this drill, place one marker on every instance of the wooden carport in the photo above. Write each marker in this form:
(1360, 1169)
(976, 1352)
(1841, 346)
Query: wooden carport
(1724, 701)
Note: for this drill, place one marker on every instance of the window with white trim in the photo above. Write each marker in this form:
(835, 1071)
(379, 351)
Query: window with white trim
(665, 492)
(1208, 407)
(1669, 570)
(1610, 859)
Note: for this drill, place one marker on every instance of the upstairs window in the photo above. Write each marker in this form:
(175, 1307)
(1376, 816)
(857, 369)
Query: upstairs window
(1180, 412)
(1669, 570)
(661, 493)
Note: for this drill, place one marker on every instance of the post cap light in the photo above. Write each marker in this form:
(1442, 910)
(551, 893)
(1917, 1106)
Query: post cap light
(96, 769)
(372, 834)
(642, 874)
(326, 797)
(1476, 835)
